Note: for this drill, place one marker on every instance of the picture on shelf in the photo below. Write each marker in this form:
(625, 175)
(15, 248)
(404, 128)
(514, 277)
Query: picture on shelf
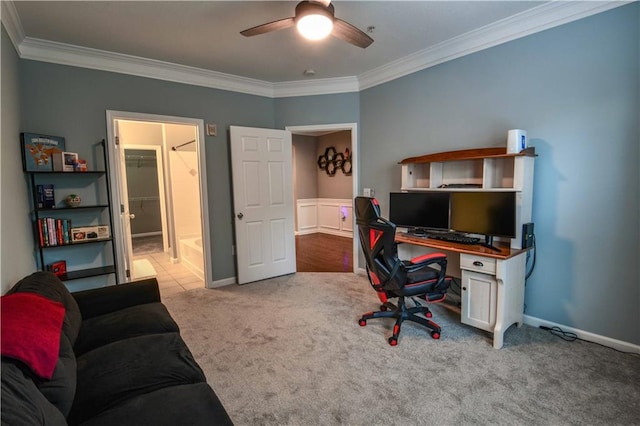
(65, 161)
(38, 150)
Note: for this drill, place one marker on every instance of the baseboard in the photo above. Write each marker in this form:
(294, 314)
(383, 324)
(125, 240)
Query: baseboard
(345, 234)
(585, 335)
(221, 283)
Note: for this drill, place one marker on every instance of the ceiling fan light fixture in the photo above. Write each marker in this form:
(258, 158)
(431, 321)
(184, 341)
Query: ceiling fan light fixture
(315, 26)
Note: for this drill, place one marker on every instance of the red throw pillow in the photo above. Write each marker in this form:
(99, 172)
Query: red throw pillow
(31, 325)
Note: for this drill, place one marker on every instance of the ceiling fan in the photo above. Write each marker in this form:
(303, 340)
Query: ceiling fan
(315, 20)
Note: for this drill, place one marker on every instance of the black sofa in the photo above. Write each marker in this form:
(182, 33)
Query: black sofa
(120, 359)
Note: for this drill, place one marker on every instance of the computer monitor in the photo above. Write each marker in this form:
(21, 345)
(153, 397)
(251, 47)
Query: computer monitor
(419, 211)
(487, 213)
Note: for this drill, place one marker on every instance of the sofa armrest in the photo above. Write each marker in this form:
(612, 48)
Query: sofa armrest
(104, 300)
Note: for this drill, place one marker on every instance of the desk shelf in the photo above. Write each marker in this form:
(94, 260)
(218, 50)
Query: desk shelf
(483, 169)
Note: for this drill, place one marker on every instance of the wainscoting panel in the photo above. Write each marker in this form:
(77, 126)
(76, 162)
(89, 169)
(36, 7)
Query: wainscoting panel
(325, 215)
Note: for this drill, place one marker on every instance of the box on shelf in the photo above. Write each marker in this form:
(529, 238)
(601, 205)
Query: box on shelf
(88, 233)
(64, 161)
(58, 268)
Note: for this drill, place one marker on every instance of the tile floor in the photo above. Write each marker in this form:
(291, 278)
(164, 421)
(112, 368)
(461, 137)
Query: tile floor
(172, 277)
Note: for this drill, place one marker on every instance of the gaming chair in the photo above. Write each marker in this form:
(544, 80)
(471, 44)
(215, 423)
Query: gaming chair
(423, 277)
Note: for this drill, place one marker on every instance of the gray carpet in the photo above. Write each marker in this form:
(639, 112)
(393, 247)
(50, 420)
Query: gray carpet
(289, 351)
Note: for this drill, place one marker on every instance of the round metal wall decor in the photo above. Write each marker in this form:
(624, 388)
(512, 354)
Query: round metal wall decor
(346, 166)
(332, 160)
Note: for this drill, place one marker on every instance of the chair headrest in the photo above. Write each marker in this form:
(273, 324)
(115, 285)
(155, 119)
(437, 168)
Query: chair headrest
(367, 210)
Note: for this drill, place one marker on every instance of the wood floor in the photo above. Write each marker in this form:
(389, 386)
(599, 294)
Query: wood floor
(324, 253)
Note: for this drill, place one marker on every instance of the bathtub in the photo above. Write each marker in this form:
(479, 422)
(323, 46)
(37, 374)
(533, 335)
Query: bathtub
(191, 255)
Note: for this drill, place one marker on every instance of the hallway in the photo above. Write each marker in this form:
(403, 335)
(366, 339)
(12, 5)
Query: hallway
(324, 253)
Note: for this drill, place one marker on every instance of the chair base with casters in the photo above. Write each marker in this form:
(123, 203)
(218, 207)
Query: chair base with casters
(402, 313)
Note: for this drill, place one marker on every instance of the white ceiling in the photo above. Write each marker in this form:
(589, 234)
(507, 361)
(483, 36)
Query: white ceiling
(203, 37)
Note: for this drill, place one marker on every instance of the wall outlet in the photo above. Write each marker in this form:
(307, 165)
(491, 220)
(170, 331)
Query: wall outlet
(368, 192)
(212, 130)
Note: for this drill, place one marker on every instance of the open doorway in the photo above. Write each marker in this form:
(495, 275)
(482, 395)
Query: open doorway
(144, 177)
(159, 189)
(325, 181)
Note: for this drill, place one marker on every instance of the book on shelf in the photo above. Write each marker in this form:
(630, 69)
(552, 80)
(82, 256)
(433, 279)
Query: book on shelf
(53, 232)
(45, 196)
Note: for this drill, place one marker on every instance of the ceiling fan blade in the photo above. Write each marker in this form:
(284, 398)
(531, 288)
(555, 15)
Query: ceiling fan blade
(267, 28)
(347, 32)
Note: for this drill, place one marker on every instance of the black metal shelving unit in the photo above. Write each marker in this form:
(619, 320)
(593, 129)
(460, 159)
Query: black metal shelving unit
(92, 178)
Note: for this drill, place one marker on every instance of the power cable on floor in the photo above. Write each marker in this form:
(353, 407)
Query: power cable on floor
(571, 337)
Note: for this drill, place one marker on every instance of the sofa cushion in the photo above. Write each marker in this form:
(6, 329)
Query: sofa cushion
(31, 326)
(125, 323)
(118, 371)
(48, 285)
(22, 403)
(192, 405)
(61, 389)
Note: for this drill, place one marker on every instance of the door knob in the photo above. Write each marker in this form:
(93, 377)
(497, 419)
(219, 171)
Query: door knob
(132, 215)
(240, 216)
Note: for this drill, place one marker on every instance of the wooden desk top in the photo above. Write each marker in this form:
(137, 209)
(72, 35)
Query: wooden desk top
(504, 253)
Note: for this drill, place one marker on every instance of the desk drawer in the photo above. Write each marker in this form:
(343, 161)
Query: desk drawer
(485, 265)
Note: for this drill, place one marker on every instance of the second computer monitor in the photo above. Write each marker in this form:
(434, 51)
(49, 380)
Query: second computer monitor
(487, 213)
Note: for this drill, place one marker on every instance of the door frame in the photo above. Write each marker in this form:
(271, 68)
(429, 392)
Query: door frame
(314, 130)
(113, 155)
(161, 186)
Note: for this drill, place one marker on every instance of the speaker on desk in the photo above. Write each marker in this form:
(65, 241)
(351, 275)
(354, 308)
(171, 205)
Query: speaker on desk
(527, 235)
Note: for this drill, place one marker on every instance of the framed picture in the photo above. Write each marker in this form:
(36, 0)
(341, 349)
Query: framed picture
(38, 150)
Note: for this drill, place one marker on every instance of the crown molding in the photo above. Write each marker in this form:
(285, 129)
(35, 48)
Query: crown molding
(12, 24)
(324, 86)
(66, 54)
(540, 18)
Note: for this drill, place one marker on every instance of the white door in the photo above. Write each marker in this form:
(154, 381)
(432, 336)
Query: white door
(261, 161)
(125, 214)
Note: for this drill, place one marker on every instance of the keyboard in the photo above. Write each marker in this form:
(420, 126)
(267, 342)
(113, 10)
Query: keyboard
(454, 238)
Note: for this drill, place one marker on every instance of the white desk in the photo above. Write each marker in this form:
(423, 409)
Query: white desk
(492, 290)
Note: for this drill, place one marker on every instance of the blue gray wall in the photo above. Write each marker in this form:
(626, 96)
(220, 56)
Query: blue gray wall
(62, 100)
(575, 89)
(322, 109)
(16, 259)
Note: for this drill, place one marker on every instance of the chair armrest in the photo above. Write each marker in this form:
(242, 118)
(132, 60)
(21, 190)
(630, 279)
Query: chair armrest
(104, 300)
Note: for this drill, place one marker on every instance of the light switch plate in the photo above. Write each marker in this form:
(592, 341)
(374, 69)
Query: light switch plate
(212, 130)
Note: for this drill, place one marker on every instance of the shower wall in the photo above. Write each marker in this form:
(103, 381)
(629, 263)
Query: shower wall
(186, 194)
(184, 184)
